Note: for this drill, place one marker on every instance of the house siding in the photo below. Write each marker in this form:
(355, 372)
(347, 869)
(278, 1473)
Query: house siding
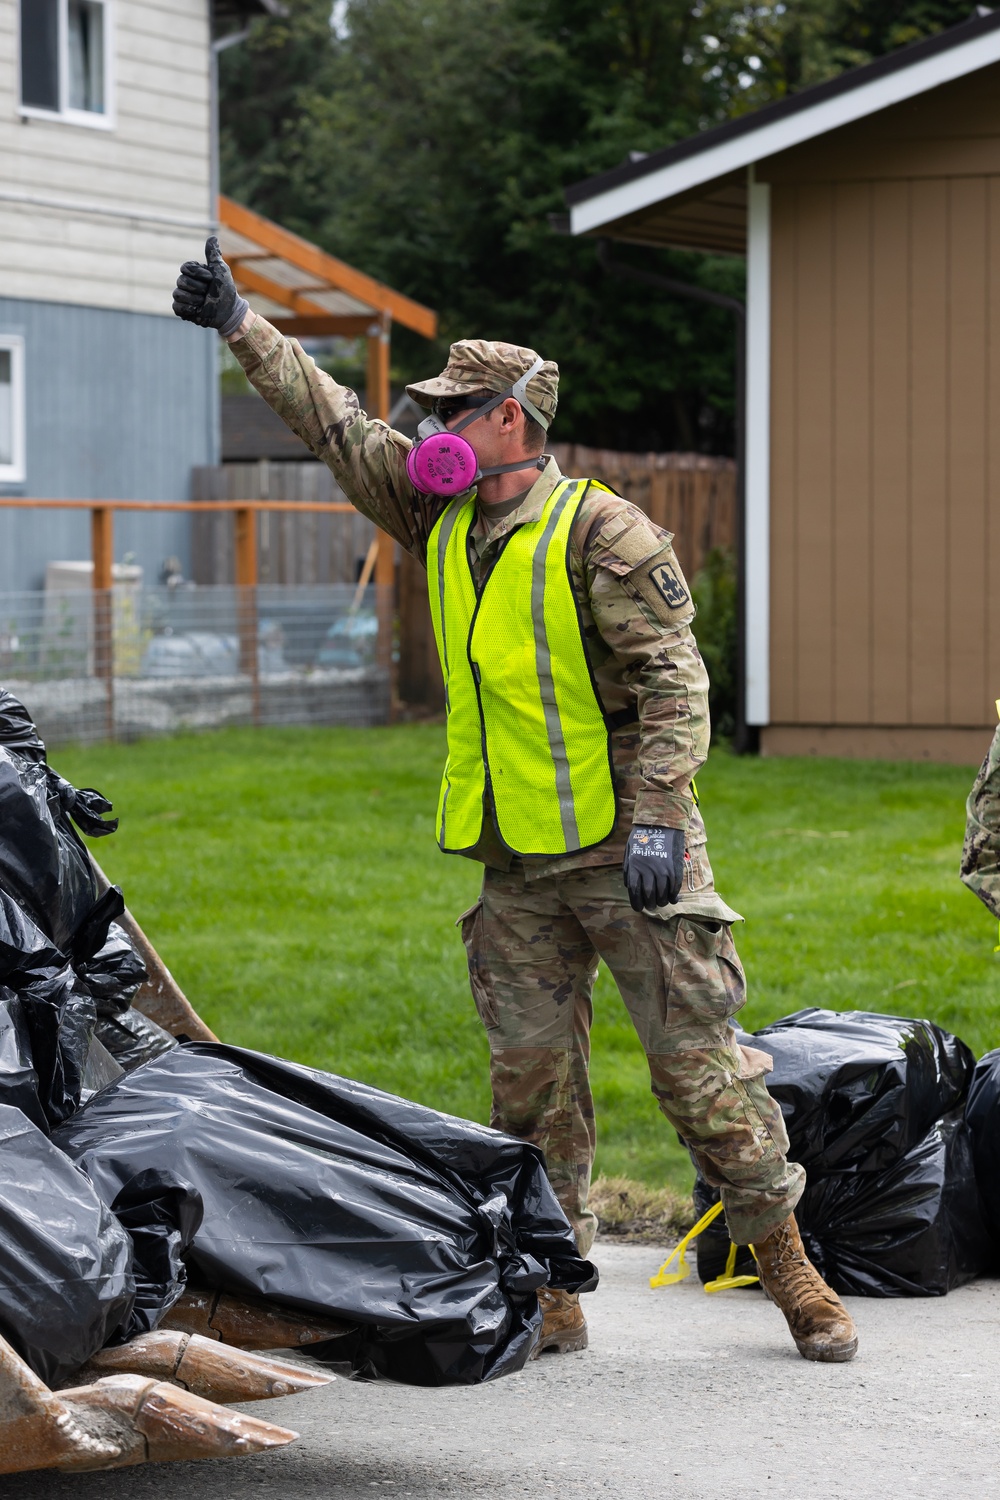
(885, 500)
(112, 213)
(119, 406)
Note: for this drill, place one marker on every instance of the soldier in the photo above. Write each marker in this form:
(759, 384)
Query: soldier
(981, 851)
(577, 718)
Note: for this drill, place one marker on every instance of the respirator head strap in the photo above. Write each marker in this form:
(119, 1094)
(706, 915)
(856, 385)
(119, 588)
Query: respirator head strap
(538, 462)
(517, 390)
(442, 462)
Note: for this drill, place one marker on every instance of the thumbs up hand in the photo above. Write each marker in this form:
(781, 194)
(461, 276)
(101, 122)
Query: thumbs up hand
(206, 294)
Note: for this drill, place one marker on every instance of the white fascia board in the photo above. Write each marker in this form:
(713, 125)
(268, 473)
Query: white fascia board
(757, 462)
(780, 135)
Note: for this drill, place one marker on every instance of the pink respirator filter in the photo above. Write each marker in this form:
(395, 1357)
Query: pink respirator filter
(442, 464)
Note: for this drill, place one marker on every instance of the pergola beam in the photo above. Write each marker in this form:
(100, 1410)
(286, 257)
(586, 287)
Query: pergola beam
(326, 268)
(255, 281)
(347, 325)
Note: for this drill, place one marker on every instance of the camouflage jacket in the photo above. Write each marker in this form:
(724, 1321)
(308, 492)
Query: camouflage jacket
(634, 603)
(981, 850)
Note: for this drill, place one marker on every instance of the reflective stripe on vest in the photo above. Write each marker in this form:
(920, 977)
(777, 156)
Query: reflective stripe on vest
(522, 707)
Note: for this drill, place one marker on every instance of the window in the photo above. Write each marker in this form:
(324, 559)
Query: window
(11, 409)
(65, 59)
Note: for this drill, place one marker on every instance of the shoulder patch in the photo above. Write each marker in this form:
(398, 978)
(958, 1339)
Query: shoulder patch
(667, 579)
(626, 541)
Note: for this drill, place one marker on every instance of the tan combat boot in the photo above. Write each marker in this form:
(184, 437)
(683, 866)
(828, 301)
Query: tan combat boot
(819, 1322)
(564, 1328)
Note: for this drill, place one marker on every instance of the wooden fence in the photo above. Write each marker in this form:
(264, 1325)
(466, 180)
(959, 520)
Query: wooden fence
(688, 494)
(291, 549)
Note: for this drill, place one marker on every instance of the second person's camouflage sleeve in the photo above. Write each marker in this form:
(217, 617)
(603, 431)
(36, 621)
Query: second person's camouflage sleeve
(367, 457)
(981, 851)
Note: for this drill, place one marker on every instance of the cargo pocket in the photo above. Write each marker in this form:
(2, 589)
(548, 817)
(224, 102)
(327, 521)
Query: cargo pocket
(763, 1114)
(474, 938)
(707, 985)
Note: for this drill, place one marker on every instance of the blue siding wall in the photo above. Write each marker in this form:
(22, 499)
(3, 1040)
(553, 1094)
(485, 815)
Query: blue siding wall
(119, 406)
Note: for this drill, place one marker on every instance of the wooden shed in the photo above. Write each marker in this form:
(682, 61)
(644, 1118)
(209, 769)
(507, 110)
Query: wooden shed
(869, 212)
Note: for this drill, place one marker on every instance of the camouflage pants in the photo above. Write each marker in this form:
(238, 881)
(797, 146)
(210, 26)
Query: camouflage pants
(533, 949)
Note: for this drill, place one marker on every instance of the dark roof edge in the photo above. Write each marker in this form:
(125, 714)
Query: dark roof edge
(852, 78)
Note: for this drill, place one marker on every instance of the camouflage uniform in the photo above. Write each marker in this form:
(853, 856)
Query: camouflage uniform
(535, 936)
(981, 850)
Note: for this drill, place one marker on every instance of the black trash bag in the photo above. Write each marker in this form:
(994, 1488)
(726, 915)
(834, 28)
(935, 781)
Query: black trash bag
(65, 1262)
(982, 1114)
(713, 1244)
(43, 860)
(58, 1011)
(100, 1070)
(859, 1089)
(161, 1218)
(45, 866)
(17, 731)
(83, 804)
(18, 1078)
(133, 1039)
(336, 1199)
(114, 973)
(913, 1229)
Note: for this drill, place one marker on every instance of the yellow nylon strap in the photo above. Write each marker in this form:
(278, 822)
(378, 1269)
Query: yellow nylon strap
(722, 1283)
(727, 1280)
(664, 1277)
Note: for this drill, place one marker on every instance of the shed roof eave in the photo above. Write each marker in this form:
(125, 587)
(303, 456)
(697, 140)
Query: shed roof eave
(741, 143)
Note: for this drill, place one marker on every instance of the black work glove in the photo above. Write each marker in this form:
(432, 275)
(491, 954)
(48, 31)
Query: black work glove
(207, 294)
(653, 867)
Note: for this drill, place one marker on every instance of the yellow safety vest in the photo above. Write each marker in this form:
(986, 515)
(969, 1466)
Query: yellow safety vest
(524, 718)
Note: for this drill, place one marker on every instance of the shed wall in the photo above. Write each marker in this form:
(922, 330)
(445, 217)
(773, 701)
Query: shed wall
(885, 450)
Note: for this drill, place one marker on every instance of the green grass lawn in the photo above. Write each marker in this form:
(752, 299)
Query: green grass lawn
(291, 881)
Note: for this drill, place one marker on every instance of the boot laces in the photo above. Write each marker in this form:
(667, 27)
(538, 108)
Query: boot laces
(797, 1275)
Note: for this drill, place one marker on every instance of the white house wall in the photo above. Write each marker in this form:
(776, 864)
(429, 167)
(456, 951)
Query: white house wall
(103, 217)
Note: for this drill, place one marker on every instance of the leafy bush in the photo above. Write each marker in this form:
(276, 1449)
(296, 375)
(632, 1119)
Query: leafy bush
(714, 592)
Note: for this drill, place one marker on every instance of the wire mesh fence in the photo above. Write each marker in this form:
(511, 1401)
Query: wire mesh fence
(131, 661)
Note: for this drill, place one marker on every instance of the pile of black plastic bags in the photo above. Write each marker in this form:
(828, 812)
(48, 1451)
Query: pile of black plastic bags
(129, 1161)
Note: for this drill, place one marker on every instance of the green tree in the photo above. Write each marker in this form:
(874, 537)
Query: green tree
(429, 141)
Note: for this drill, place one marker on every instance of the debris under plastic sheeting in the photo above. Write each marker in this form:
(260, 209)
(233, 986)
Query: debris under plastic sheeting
(430, 1233)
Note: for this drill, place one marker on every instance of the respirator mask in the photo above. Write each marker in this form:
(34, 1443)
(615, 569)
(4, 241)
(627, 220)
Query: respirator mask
(442, 462)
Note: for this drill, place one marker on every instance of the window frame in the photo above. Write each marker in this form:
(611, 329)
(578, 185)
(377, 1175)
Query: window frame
(91, 119)
(16, 471)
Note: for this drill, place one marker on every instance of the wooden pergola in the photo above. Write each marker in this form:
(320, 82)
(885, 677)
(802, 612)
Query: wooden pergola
(307, 293)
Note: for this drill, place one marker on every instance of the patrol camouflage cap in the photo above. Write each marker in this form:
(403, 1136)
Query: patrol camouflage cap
(476, 365)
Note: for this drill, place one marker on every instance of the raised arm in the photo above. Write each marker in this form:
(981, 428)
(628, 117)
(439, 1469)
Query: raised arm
(366, 456)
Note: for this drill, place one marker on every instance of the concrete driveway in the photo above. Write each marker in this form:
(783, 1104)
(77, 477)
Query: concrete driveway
(680, 1395)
